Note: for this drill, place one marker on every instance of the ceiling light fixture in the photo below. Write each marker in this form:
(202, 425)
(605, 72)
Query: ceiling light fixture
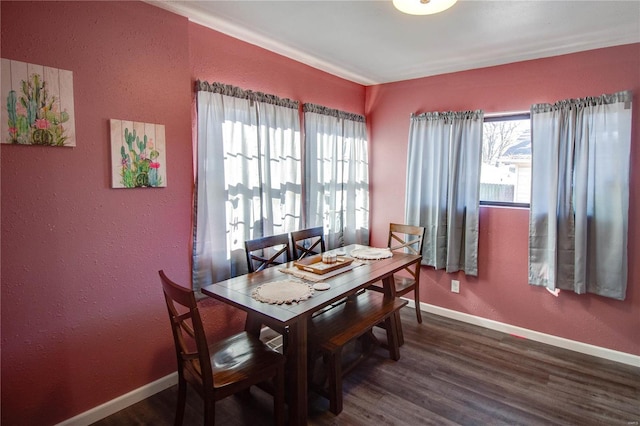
(423, 7)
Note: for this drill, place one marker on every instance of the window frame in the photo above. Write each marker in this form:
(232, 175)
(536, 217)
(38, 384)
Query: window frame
(506, 117)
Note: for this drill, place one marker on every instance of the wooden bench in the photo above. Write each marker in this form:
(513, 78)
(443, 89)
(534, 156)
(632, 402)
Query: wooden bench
(333, 329)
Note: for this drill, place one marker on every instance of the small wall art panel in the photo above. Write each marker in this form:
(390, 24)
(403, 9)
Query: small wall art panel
(138, 155)
(37, 105)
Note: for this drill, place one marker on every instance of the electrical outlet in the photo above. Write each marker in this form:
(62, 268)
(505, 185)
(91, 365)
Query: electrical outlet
(455, 286)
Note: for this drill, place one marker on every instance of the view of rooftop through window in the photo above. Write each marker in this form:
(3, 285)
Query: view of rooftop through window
(506, 160)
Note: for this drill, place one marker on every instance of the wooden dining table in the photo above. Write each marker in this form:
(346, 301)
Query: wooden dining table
(294, 317)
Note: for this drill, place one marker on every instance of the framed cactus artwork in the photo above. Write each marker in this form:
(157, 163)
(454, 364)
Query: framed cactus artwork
(37, 105)
(138, 156)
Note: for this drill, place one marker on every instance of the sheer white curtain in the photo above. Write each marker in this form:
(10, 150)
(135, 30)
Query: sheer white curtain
(580, 194)
(280, 168)
(248, 181)
(337, 175)
(443, 186)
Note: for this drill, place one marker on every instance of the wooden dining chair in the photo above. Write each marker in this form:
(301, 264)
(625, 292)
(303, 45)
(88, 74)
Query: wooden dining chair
(267, 251)
(264, 253)
(307, 242)
(222, 368)
(408, 239)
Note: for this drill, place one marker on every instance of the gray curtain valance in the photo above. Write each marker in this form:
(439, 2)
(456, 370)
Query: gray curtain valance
(607, 99)
(448, 116)
(237, 92)
(319, 109)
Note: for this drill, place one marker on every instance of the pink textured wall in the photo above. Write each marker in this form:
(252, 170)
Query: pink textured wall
(501, 292)
(217, 57)
(83, 318)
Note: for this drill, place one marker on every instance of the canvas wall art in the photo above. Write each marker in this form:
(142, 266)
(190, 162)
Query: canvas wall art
(37, 105)
(138, 156)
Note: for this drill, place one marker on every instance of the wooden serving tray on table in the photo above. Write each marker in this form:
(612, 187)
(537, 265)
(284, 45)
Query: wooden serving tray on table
(317, 266)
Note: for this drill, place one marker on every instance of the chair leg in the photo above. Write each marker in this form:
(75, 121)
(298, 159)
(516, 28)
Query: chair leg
(335, 382)
(209, 412)
(416, 298)
(182, 399)
(278, 397)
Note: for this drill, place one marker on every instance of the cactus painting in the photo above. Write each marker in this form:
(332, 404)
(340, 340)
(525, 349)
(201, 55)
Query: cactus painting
(137, 155)
(37, 105)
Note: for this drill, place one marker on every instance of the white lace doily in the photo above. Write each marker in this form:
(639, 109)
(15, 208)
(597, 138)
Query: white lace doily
(371, 253)
(279, 292)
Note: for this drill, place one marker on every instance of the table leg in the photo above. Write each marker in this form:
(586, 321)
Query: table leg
(392, 338)
(297, 373)
(389, 291)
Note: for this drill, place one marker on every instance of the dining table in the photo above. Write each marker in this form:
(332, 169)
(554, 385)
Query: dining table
(294, 317)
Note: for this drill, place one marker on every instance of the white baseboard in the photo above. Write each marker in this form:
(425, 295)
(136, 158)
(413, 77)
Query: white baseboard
(121, 402)
(609, 354)
(137, 395)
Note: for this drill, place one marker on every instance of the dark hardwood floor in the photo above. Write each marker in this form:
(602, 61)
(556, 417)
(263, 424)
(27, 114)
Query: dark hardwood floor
(449, 373)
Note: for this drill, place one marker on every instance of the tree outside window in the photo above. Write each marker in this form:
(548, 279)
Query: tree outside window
(506, 160)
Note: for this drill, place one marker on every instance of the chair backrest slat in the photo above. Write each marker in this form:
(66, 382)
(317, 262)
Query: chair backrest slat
(258, 252)
(191, 345)
(408, 238)
(307, 242)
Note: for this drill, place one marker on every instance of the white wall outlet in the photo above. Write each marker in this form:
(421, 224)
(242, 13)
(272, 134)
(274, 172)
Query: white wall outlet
(455, 286)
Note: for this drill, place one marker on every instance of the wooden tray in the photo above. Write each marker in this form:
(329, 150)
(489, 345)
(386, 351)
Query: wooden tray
(314, 264)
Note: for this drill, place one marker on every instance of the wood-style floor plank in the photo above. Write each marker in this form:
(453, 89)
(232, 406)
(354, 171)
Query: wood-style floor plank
(449, 373)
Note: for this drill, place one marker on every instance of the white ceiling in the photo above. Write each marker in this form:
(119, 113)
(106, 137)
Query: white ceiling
(370, 42)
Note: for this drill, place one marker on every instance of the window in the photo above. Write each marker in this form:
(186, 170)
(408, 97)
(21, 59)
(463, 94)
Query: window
(250, 182)
(336, 174)
(505, 177)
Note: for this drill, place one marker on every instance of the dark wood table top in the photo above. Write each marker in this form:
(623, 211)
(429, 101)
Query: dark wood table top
(237, 291)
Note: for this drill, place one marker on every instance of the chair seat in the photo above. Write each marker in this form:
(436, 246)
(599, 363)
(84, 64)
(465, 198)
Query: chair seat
(404, 285)
(238, 356)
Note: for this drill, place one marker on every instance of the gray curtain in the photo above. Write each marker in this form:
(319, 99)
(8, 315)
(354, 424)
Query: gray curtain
(248, 177)
(580, 194)
(337, 175)
(443, 186)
